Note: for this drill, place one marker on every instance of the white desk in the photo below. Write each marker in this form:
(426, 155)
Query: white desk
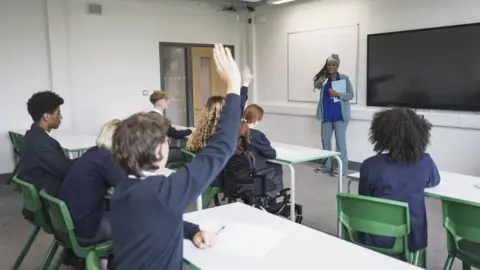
(452, 186)
(71, 141)
(300, 248)
(288, 155)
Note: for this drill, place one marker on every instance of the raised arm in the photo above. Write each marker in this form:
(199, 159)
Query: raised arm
(247, 78)
(182, 188)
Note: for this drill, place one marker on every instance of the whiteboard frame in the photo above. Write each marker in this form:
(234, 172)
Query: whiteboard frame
(355, 99)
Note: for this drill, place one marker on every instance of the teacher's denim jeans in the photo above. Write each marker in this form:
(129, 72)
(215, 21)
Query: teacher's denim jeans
(340, 129)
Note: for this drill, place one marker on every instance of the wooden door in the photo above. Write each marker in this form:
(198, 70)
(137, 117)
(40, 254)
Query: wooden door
(206, 81)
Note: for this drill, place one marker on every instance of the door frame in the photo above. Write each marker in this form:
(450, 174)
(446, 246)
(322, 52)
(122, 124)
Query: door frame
(188, 72)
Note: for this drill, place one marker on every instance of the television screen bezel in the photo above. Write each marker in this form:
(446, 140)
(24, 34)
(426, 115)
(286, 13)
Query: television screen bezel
(420, 105)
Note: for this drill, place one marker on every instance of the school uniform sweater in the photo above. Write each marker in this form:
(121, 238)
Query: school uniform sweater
(85, 187)
(400, 182)
(147, 214)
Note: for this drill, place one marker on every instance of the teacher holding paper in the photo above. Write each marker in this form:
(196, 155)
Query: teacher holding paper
(333, 110)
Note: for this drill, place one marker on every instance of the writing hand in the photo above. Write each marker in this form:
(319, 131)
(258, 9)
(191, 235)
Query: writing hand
(204, 239)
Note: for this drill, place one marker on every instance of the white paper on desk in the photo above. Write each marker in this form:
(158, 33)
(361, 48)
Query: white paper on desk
(244, 239)
(340, 87)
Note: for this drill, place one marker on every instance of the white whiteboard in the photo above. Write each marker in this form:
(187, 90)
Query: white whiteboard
(307, 53)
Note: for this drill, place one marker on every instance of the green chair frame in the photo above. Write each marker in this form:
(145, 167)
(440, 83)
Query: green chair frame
(32, 203)
(16, 140)
(64, 231)
(211, 191)
(461, 219)
(370, 215)
(92, 261)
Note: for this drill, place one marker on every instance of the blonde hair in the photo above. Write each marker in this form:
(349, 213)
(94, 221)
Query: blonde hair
(104, 138)
(158, 95)
(207, 125)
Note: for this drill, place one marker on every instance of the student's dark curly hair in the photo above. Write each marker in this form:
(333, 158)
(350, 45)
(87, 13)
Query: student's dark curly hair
(402, 133)
(43, 102)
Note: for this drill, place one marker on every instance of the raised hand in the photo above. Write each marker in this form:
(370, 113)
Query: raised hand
(247, 76)
(227, 68)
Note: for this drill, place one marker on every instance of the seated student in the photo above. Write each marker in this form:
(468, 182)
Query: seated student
(86, 185)
(147, 210)
(400, 170)
(211, 114)
(261, 147)
(43, 162)
(159, 100)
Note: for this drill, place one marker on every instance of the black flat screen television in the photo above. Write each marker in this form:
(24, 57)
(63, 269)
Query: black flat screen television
(437, 68)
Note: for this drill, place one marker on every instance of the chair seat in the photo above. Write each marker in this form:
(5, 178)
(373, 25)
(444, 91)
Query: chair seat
(469, 251)
(102, 249)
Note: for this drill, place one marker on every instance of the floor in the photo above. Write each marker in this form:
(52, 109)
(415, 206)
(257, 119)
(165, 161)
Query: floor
(315, 192)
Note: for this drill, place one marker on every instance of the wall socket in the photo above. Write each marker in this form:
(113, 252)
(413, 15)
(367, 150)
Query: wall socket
(145, 92)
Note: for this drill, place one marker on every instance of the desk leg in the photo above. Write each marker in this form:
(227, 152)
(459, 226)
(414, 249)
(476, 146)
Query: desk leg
(292, 187)
(340, 176)
(199, 203)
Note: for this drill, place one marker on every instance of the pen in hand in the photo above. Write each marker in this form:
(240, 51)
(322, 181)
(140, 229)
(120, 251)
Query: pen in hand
(221, 229)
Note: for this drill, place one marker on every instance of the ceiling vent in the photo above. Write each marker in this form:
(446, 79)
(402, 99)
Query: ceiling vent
(94, 9)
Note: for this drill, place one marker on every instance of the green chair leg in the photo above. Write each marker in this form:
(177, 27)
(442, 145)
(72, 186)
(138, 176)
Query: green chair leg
(211, 191)
(26, 248)
(449, 263)
(58, 264)
(50, 255)
(466, 266)
(420, 259)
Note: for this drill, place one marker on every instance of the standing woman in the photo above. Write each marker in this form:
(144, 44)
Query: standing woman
(333, 111)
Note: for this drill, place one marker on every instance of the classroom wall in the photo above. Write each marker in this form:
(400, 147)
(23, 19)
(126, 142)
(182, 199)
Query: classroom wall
(98, 64)
(455, 137)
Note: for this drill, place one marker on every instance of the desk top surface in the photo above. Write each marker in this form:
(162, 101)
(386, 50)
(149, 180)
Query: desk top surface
(70, 140)
(294, 154)
(297, 247)
(452, 186)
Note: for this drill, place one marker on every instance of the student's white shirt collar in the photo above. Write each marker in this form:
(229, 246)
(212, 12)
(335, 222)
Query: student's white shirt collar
(158, 111)
(165, 172)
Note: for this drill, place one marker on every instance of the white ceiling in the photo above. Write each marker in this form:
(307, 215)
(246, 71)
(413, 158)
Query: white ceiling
(221, 3)
(227, 3)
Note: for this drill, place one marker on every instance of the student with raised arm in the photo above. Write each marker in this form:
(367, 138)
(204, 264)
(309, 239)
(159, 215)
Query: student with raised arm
(400, 171)
(211, 114)
(147, 209)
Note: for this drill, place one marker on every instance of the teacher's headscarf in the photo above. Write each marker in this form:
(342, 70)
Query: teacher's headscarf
(335, 58)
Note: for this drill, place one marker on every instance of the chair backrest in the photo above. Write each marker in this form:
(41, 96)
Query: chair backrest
(375, 216)
(61, 220)
(16, 140)
(462, 219)
(188, 155)
(93, 262)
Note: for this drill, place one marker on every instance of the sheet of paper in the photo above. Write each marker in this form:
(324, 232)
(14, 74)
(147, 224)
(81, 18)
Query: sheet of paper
(243, 238)
(339, 86)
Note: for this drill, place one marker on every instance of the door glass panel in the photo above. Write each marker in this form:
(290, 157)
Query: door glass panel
(174, 81)
(206, 79)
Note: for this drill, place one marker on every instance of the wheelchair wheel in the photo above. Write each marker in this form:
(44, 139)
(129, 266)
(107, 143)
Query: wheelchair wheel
(220, 199)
